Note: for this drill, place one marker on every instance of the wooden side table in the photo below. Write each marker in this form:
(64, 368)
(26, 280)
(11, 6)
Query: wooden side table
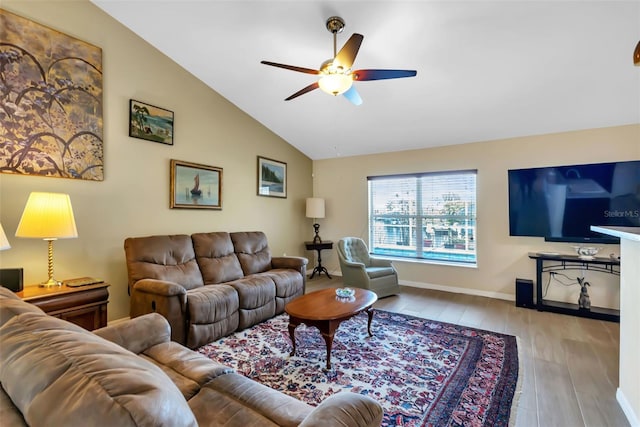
(85, 306)
(319, 247)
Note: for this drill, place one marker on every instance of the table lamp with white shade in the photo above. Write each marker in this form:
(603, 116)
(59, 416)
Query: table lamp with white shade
(315, 209)
(48, 216)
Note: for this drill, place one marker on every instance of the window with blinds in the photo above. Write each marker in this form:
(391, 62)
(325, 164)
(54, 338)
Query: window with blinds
(425, 216)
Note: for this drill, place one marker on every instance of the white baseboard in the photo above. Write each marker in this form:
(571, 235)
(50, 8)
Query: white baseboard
(627, 409)
(456, 290)
(452, 289)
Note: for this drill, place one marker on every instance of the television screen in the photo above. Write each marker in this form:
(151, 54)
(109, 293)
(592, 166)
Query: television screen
(561, 203)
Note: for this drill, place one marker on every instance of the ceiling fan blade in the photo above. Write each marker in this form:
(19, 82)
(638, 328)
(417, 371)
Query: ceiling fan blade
(309, 88)
(291, 67)
(363, 75)
(348, 53)
(353, 96)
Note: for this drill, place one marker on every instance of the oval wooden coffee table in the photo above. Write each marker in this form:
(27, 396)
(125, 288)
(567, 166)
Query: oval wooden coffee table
(325, 310)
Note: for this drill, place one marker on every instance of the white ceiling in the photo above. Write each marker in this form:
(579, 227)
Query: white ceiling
(486, 69)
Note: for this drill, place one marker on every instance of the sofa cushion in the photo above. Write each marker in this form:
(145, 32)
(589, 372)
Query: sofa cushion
(212, 303)
(57, 373)
(288, 286)
(188, 370)
(9, 414)
(8, 293)
(11, 305)
(257, 297)
(252, 250)
(216, 258)
(239, 401)
(254, 291)
(168, 258)
(212, 312)
(287, 282)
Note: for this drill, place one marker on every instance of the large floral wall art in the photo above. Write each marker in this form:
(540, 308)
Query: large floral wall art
(50, 102)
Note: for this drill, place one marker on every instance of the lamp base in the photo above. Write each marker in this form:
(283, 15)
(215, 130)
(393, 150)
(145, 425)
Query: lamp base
(317, 239)
(51, 283)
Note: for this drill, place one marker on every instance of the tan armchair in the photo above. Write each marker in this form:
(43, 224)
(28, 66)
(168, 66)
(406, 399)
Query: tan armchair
(360, 270)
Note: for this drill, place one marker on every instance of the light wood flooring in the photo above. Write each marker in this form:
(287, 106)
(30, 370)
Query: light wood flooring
(569, 365)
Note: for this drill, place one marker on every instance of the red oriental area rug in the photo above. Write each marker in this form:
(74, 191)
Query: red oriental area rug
(423, 372)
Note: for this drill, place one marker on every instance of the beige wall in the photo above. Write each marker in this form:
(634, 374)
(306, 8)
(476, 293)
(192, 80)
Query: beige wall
(501, 258)
(133, 199)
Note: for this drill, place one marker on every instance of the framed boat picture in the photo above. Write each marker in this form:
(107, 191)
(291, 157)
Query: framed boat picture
(272, 178)
(195, 186)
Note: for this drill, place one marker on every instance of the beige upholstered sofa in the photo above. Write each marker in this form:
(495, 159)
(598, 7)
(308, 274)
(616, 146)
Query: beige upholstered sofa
(54, 373)
(209, 285)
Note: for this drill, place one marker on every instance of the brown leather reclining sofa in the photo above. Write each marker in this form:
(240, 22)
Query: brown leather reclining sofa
(54, 373)
(209, 285)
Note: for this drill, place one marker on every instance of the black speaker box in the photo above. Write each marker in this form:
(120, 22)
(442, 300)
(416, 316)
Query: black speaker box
(11, 278)
(524, 293)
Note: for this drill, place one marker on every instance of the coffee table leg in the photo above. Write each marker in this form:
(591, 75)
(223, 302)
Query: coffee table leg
(328, 339)
(370, 314)
(292, 335)
(328, 330)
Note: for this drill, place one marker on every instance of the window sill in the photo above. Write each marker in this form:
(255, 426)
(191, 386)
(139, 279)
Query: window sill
(426, 261)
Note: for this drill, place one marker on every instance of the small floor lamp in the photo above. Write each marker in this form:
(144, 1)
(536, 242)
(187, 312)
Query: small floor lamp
(48, 216)
(315, 209)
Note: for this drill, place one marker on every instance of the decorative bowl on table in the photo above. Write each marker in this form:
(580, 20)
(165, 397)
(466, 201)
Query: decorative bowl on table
(345, 292)
(586, 252)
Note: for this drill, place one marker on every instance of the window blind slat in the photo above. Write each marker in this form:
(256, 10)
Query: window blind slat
(430, 216)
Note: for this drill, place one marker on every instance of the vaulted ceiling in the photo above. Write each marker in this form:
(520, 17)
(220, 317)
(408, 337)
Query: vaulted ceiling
(486, 69)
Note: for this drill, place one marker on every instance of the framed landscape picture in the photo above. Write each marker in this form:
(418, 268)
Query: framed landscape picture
(195, 186)
(150, 122)
(272, 178)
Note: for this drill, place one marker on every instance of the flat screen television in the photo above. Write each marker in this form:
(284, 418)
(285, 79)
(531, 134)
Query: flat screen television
(561, 203)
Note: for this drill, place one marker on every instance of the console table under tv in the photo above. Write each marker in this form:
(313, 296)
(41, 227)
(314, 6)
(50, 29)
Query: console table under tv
(546, 263)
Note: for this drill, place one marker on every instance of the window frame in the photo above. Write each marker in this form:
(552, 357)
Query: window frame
(466, 257)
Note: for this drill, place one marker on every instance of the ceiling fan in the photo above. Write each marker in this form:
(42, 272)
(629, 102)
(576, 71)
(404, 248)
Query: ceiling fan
(336, 75)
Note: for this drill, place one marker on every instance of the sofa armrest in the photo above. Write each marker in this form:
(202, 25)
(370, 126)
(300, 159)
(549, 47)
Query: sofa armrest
(345, 409)
(294, 262)
(380, 262)
(138, 334)
(163, 297)
(160, 287)
(351, 264)
(353, 273)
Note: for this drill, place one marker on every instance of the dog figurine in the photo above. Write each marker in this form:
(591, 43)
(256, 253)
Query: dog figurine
(584, 302)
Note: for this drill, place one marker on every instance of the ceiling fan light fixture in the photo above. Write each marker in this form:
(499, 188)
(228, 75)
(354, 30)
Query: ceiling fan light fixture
(334, 79)
(335, 84)
(636, 55)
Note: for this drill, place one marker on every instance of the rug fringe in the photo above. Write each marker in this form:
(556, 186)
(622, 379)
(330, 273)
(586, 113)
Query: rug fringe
(513, 415)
